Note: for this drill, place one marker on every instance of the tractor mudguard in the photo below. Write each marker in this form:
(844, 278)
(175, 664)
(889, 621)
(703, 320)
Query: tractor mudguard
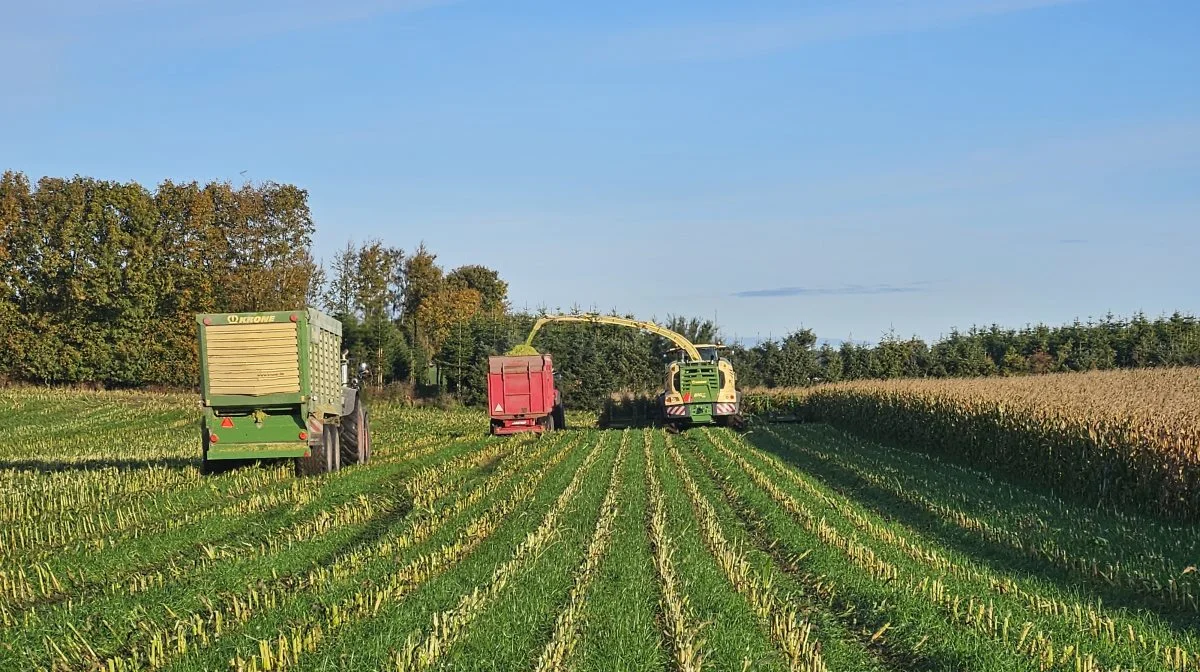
(349, 397)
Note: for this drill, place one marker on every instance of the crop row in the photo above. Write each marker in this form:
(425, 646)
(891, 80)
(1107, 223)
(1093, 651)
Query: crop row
(1023, 621)
(148, 645)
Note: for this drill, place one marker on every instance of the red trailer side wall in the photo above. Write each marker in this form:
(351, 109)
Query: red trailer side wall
(520, 387)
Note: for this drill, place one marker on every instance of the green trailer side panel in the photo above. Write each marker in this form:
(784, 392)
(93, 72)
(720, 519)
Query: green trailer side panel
(324, 362)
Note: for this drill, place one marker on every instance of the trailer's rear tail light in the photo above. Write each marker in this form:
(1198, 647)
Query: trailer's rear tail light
(294, 317)
(212, 438)
(303, 436)
(208, 321)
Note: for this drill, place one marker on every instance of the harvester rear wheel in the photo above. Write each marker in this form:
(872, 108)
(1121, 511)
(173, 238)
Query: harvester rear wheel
(354, 440)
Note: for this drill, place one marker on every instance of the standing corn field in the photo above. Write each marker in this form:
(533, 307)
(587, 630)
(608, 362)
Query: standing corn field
(1126, 439)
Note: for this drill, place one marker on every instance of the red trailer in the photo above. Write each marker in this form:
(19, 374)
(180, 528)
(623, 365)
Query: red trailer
(522, 396)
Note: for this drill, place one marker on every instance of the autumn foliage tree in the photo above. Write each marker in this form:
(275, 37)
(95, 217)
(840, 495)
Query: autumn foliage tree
(101, 278)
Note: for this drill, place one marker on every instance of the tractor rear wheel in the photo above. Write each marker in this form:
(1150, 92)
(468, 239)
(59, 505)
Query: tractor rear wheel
(355, 448)
(560, 417)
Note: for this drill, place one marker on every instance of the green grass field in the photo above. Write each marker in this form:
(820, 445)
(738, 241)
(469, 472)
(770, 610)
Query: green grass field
(789, 547)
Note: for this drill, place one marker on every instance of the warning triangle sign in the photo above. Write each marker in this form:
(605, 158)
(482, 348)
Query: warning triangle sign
(498, 409)
(226, 422)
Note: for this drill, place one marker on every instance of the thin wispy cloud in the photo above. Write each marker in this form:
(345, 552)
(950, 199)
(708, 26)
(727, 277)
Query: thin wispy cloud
(843, 290)
(722, 39)
(1084, 160)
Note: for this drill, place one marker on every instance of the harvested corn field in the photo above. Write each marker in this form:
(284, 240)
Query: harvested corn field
(787, 547)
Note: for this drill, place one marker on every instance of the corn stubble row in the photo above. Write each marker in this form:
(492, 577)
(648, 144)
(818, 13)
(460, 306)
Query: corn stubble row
(155, 644)
(306, 636)
(1078, 553)
(953, 588)
(682, 630)
(558, 651)
(791, 633)
(447, 627)
(1127, 439)
(27, 585)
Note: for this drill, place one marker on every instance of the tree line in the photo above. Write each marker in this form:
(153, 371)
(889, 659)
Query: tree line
(1107, 343)
(102, 279)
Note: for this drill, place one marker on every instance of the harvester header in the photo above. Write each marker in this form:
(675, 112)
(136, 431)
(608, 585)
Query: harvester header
(596, 318)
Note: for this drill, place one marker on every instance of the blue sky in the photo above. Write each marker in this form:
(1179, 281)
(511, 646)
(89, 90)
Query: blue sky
(850, 166)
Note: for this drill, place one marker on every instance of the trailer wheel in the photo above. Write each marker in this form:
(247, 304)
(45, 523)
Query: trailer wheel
(207, 467)
(366, 434)
(550, 422)
(560, 417)
(353, 437)
(321, 458)
(212, 467)
(335, 450)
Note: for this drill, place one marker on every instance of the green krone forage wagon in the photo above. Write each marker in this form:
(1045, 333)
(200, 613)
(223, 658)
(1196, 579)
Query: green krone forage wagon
(276, 385)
